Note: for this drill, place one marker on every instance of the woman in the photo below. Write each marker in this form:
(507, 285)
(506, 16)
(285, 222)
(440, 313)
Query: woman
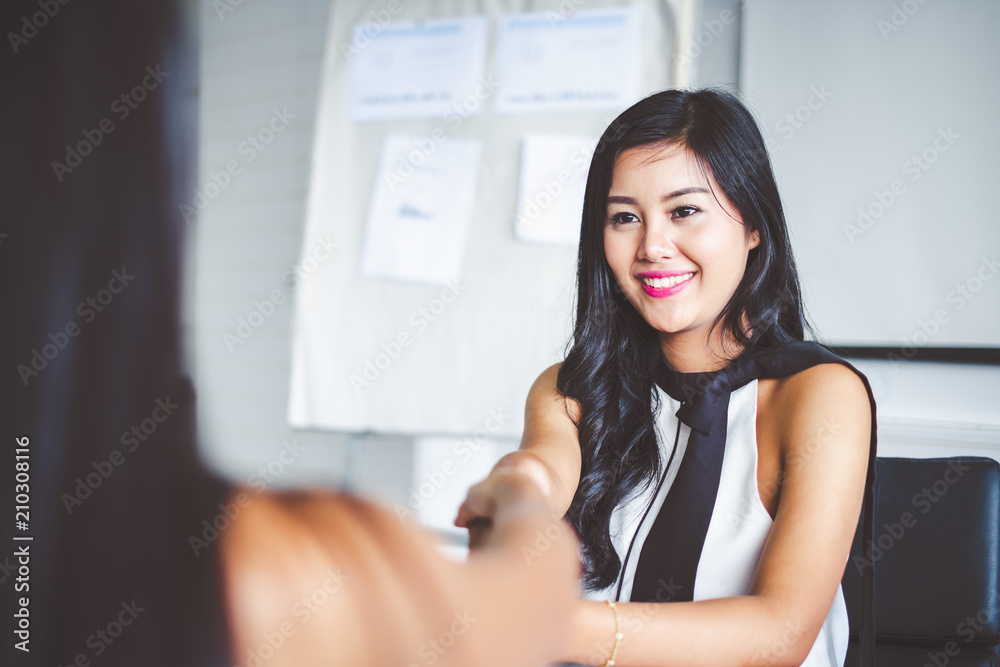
(705, 454)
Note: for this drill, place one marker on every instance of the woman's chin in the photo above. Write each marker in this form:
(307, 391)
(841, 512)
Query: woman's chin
(669, 327)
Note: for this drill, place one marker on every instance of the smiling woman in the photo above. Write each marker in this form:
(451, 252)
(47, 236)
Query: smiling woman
(686, 248)
(712, 461)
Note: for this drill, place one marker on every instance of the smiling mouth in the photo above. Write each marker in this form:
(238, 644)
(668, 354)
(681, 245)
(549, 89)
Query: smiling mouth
(660, 283)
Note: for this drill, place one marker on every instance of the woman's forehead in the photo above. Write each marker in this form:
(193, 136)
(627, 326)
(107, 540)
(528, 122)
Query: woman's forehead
(656, 162)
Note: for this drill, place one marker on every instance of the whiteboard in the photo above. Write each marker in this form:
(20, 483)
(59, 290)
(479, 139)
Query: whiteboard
(438, 360)
(881, 121)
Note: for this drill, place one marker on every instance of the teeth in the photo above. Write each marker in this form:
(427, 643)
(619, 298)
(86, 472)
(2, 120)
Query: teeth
(667, 282)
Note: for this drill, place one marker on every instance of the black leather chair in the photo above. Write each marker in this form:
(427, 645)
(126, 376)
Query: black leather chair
(937, 564)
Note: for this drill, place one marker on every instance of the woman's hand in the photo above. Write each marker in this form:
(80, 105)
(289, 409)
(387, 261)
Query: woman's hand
(518, 479)
(549, 456)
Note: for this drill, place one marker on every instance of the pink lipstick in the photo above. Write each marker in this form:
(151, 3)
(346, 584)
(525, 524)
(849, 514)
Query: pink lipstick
(665, 283)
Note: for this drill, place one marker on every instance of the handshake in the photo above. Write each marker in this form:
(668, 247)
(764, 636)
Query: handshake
(509, 604)
(519, 484)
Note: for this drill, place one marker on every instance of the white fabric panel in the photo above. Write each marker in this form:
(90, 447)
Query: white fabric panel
(511, 314)
(626, 517)
(740, 525)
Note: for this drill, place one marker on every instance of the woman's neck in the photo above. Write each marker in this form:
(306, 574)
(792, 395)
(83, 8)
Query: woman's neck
(696, 352)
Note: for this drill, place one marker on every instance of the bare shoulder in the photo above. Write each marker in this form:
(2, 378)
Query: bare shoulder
(824, 383)
(825, 401)
(544, 394)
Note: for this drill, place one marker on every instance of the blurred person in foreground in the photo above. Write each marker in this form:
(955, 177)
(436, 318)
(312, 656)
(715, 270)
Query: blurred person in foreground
(121, 568)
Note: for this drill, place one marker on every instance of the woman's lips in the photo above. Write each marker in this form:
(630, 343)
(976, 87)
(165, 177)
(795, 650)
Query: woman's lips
(666, 283)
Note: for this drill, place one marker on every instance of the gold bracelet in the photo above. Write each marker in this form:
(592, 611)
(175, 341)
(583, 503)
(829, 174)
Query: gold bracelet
(618, 634)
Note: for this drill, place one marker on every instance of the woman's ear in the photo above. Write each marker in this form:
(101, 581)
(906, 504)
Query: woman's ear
(754, 239)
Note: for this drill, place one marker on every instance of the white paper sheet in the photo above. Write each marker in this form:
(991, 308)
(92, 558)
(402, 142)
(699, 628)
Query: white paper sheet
(420, 208)
(415, 69)
(553, 178)
(552, 61)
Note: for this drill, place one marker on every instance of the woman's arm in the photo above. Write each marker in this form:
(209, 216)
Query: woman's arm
(821, 417)
(549, 452)
(321, 579)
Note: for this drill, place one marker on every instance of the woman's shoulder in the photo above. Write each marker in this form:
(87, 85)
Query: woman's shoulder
(824, 397)
(804, 369)
(823, 382)
(545, 392)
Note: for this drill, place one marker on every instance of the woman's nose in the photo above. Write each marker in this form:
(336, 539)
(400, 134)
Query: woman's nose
(657, 241)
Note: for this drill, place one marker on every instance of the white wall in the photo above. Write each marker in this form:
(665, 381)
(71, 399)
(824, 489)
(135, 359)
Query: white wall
(935, 409)
(880, 121)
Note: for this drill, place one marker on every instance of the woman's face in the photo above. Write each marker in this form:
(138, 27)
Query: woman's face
(677, 250)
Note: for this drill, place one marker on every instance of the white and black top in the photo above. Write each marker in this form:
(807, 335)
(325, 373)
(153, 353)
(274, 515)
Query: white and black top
(698, 532)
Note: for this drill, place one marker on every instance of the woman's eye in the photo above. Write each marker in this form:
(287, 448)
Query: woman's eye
(684, 211)
(623, 217)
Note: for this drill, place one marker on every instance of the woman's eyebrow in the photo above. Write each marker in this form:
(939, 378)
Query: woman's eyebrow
(685, 191)
(619, 199)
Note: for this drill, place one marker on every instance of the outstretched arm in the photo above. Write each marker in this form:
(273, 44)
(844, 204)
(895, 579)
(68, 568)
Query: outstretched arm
(320, 579)
(549, 452)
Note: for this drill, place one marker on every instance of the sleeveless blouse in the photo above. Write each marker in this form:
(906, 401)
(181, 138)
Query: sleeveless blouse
(717, 555)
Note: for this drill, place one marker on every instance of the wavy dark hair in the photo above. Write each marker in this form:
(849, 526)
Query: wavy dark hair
(609, 366)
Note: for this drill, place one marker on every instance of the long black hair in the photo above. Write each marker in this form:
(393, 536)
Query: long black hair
(609, 368)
